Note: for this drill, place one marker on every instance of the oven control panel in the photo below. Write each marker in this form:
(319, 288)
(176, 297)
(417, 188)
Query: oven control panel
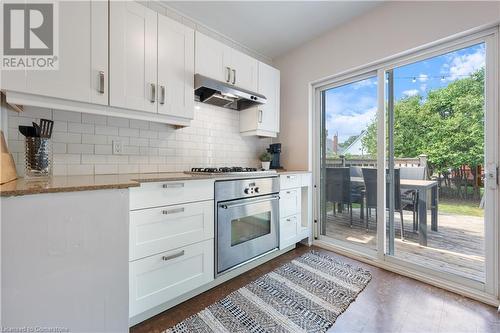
(243, 188)
(251, 189)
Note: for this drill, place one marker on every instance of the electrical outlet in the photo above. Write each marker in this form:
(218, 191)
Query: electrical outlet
(117, 147)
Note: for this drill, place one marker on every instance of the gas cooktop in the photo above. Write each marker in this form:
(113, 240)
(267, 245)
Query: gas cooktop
(231, 171)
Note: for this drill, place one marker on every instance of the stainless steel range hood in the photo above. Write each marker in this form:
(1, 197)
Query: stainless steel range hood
(225, 95)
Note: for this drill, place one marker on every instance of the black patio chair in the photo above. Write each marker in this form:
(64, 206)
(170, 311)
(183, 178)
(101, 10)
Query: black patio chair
(338, 189)
(370, 179)
(409, 198)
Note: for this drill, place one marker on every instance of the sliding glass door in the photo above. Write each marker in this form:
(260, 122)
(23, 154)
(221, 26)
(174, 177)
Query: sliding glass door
(436, 112)
(408, 162)
(349, 155)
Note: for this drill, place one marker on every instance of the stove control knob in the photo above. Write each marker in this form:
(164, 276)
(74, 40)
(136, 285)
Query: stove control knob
(247, 191)
(257, 190)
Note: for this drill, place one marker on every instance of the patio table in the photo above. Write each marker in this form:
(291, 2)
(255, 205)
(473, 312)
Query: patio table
(421, 186)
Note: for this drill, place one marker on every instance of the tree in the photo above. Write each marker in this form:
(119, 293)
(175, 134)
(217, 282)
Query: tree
(448, 126)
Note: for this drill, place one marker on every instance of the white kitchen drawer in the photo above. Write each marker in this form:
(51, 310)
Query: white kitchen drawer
(288, 230)
(290, 202)
(290, 181)
(156, 230)
(171, 193)
(160, 278)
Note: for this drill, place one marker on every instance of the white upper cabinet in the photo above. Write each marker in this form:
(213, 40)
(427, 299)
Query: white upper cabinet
(263, 120)
(243, 70)
(220, 62)
(175, 68)
(133, 56)
(83, 58)
(210, 58)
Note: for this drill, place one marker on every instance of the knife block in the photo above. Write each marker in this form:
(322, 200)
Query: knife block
(8, 167)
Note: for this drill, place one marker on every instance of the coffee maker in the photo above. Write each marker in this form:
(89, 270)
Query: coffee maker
(275, 150)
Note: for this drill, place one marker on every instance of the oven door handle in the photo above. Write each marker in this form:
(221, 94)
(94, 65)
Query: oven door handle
(227, 206)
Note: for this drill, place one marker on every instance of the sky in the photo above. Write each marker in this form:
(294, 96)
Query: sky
(350, 108)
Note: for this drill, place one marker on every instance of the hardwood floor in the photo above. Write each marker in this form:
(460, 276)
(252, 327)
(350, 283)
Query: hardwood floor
(390, 303)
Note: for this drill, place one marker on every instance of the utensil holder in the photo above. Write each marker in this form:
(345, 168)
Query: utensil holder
(38, 157)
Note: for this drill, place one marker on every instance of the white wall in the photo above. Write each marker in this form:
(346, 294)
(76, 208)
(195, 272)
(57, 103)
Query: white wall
(82, 143)
(387, 30)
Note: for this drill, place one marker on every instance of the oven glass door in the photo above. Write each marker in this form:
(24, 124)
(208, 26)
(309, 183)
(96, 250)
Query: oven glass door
(246, 229)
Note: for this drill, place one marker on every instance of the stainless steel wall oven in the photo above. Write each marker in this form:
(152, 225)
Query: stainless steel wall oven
(246, 220)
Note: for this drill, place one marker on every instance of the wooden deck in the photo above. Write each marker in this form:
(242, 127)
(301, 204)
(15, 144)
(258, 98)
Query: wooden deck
(457, 247)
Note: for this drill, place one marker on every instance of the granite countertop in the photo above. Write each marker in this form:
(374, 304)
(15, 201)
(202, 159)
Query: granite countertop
(56, 184)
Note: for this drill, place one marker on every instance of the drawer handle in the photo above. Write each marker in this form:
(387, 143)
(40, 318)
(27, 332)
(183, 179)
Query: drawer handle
(288, 192)
(290, 177)
(173, 256)
(172, 211)
(288, 220)
(175, 185)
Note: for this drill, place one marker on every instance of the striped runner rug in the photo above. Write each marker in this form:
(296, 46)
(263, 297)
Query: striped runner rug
(304, 295)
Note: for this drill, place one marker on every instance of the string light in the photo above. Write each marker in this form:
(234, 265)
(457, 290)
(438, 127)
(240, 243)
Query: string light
(442, 78)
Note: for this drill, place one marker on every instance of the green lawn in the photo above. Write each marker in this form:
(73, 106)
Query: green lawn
(460, 207)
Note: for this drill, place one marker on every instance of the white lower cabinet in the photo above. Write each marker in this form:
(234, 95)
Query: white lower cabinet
(290, 202)
(164, 228)
(156, 279)
(171, 243)
(288, 230)
(295, 208)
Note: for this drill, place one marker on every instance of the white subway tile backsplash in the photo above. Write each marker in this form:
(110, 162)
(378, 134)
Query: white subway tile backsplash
(105, 169)
(128, 132)
(93, 159)
(78, 148)
(103, 149)
(80, 169)
(128, 168)
(80, 128)
(82, 143)
(94, 119)
(118, 122)
(67, 116)
(94, 139)
(141, 124)
(64, 137)
(106, 130)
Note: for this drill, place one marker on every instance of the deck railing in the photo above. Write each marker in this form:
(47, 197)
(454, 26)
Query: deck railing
(369, 162)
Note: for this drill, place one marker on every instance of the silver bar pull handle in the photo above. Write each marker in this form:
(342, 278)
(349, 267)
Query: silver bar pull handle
(162, 95)
(228, 71)
(172, 211)
(101, 82)
(173, 185)
(245, 203)
(153, 93)
(260, 116)
(234, 76)
(173, 256)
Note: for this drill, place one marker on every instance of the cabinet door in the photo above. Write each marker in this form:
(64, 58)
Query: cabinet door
(243, 70)
(83, 54)
(290, 202)
(212, 58)
(175, 68)
(288, 230)
(133, 54)
(269, 86)
(160, 278)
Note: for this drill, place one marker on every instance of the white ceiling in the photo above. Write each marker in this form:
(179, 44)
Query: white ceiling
(271, 28)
